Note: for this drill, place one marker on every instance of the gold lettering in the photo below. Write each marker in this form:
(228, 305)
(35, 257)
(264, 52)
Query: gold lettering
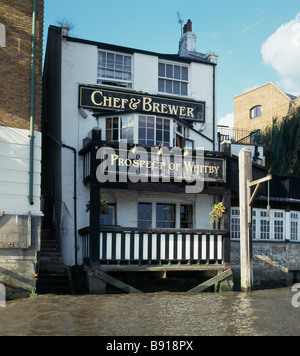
(107, 101)
(190, 112)
(116, 102)
(155, 165)
(178, 165)
(189, 165)
(93, 97)
(173, 109)
(124, 102)
(155, 107)
(147, 104)
(211, 169)
(128, 162)
(217, 169)
(197, 168)
(113, 159)
(182, 111)
(164, 109)
(172, 166)
(135, 163)
(121, 162)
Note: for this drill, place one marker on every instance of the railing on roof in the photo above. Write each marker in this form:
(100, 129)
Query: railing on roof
(237, 135)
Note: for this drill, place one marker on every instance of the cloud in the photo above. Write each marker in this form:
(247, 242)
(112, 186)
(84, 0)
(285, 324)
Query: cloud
(282, 51)
(227, 120)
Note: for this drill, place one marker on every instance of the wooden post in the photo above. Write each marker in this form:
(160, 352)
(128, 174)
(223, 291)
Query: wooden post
(226, 220)
(94, 201)
(245, 177)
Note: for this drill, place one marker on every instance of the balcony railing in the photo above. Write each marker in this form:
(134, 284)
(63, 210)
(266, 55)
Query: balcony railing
(237, 135)
(168, 246)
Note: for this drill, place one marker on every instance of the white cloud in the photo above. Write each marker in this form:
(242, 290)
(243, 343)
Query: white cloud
(282, 51)
(227, 120)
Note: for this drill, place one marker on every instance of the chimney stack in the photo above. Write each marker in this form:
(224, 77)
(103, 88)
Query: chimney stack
(188, 40)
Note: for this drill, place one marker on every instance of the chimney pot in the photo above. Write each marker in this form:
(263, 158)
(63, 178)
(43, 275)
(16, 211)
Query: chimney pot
(189, 26)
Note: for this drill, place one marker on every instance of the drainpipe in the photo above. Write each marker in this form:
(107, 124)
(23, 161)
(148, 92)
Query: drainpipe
(214, 108)
(75, 190)
(32, 100)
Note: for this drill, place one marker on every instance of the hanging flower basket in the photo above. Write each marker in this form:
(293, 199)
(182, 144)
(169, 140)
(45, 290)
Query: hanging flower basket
(217, 212)
(104, 208)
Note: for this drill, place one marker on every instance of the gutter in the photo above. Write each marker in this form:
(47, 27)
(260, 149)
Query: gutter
(32, 101)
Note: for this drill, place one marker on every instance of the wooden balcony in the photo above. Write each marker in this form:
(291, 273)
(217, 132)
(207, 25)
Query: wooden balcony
(157, 249)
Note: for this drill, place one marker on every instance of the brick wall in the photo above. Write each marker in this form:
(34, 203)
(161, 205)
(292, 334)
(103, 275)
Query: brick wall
(273, 101)
(15, 65)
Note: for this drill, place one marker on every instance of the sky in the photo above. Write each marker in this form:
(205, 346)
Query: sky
(257, 41)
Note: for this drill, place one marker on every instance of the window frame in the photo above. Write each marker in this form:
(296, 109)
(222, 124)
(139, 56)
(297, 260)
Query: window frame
(165, 222)
(255, 111)
(176, 81)
(119, 129)
(294, 218)
(235, 223)
(190, 217)
(147, 140)
(276, 228)
(139, 220)
(180, 137)
(115, 80)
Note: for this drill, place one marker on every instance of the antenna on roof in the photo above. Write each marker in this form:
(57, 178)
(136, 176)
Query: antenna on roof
(180, 21)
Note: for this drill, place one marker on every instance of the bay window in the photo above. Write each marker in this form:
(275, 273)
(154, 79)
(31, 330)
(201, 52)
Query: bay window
(120, 128)
(154, 130)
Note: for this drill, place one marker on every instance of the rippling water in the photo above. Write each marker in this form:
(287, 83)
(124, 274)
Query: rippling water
(267, 312)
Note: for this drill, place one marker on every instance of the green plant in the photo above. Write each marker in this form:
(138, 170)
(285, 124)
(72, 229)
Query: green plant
(217, 212)
(103, 203)
(32, 292)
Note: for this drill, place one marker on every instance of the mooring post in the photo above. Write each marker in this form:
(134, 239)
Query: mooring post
(245, 177)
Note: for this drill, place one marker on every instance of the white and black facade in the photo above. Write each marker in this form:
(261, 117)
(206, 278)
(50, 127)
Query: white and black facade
(98, 95)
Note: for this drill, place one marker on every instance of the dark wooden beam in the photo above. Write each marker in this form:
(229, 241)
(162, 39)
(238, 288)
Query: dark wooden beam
(218, 278)
(115, 282)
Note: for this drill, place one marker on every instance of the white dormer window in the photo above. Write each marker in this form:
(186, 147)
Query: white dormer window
(114, 69)
(2, 35)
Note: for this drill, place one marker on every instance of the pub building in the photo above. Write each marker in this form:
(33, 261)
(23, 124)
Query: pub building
(109, 111)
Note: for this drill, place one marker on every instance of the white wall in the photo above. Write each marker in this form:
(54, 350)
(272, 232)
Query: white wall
(14, 172)
(127, 206)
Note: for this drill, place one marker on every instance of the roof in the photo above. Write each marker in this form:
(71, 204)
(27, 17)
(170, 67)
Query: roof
(129, 50)
(289, 96)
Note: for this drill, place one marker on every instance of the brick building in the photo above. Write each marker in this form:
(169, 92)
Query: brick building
(21, 41)
(257, 108)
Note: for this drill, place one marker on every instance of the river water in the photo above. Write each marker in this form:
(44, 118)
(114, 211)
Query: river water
(264, 312)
